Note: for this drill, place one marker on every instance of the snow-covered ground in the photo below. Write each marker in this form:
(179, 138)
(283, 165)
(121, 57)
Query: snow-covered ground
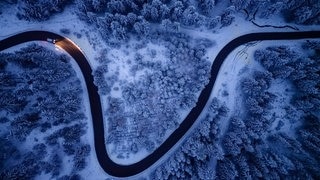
(220, 37)
(11, 25)
(120, 64)
(93, 168)
(283, 90)
(91, 44)
(239, 64)
(83, 35)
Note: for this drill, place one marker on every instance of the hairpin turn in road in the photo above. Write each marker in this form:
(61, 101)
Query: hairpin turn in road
(106, 163)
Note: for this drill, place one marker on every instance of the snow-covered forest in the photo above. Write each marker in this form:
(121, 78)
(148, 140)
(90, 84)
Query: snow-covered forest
(264, 141)
(124, 16)
(150, 105)
(275, 136)
(41, 115)
(150, 61)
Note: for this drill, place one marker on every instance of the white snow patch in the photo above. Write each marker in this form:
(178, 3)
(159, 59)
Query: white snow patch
(11, 25)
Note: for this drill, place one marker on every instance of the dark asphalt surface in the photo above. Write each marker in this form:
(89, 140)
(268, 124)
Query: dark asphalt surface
(129, 170)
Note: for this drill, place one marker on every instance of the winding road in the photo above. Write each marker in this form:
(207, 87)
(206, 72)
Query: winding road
(106, 163)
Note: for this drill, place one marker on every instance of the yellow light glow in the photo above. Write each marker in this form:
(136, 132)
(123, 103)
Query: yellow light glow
(58, 45)
(74, 44)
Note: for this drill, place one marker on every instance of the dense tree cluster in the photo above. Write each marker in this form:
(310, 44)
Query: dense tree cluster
(28, 168)
(103, 82)
(250, 147)
(302, 71)
(79, 159)
(192, 160)
(122, 17)
(296, 11)
(258, 99)
(277, 156)
(150, 105)
(119, 18)
(39, 92)
(8, 150)
(40, 10)
(251, 151)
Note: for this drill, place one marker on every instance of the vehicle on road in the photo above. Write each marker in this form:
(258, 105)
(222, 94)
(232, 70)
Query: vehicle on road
(53, 41)
(104, 160)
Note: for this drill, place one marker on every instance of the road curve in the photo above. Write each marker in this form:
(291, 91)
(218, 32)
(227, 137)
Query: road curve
(106, 163)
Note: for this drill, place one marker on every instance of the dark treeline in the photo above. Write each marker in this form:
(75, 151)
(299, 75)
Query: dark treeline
(123, 16)
(293, 11)
(254, 150)
(251, 148)
(193, 159)
(40, 108)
